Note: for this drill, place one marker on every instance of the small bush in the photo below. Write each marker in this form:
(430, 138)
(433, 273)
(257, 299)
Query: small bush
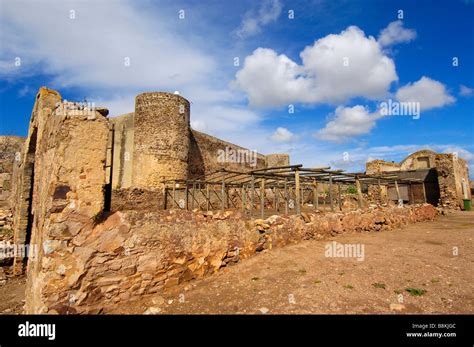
(415, 291)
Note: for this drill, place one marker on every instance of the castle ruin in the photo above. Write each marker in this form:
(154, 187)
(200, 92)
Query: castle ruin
(127, 206)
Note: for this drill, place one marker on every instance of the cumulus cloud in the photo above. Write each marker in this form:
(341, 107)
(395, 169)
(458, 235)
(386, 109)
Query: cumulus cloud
(348, 122)
(465, 91)
(253, 21)
(395, 33)
(89, 54)
(282, 135)
(429, 93)
(94, 48)
(334, 69)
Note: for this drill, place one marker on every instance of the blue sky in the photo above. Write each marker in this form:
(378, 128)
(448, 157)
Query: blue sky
(334, 63)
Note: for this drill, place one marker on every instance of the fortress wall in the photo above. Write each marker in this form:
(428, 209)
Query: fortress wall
(451, 172)
(23, 195)
(274, 160)
(123, 150)
(69, 180)
(132, 254)
(161, 139)
(208, 154)
(10, 151)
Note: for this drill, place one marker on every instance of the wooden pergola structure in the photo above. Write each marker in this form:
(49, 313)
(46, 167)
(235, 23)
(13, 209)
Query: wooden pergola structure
(291, 185)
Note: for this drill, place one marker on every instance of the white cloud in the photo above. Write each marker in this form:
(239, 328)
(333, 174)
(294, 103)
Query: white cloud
(91, 50)
(348, 122)
(271, 80)
(282, 135)
(395, 33)
(429, 93)
(253, 21)
(465, 91)
(88, 54)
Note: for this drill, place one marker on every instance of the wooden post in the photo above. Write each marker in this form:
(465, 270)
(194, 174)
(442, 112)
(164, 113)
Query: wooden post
(252, 194)
(165, 196)
(359, 193)
(275, 199)
(193, 195)
(262, 198)
(297, 191)
(223, 195)
(424, 190)
(339, 199)
(174, 194)
(398, 192)
(380, 191)
(244, 198)
(330, 193)
(186, 195)
(317, 195)
(208, 197)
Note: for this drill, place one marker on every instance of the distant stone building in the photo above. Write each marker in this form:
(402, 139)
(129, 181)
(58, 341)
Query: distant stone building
(445, 178)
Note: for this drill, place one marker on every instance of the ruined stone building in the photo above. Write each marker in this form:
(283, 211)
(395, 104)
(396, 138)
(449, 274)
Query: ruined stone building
(86, 193)
(445, 178)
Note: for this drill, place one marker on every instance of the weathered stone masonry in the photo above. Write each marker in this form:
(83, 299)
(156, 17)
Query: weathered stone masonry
(132, 253)
(89, 259)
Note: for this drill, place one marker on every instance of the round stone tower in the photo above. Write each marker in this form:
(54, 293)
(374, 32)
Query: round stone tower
(162, 139)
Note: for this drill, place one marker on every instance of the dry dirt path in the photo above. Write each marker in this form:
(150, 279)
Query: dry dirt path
(436, 257)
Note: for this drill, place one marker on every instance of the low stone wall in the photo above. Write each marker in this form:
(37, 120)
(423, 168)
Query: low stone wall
(132, 253)
(136, 199)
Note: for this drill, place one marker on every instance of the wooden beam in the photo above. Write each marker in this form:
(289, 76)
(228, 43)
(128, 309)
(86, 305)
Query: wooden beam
(359, 193)
(339, 199)
(398, 193)
(297, 191)
(223, 195)
(424, 190)
(244, 199)
(262, 198)
(252, 194)
(330, 193)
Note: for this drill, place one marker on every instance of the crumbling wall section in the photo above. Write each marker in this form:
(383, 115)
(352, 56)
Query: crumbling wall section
(123, 150)
(208, 154)
(68, 198)
(132, 253)
(376, 193)
(451, 173)
(10, 151)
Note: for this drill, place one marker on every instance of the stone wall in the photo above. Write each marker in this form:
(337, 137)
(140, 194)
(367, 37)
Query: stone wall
(274, 160)
(376, 193)
(451, 173)
(132, 253)
(161, 139)
(67, 191)
(10, 150)
(123, 150)
(423, 159)
(204, 156)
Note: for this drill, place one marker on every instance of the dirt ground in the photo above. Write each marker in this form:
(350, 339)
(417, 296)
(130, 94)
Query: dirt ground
(424, 268)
